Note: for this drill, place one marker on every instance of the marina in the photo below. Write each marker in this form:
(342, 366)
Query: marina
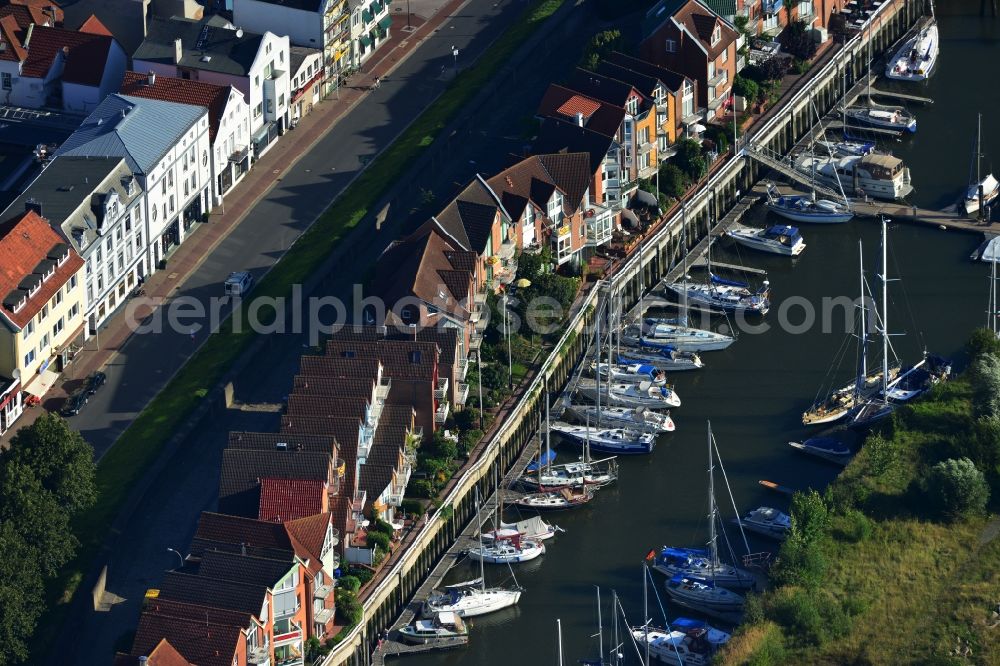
(755, 407)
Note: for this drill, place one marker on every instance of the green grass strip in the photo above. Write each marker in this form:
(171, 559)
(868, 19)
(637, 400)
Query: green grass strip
(141, 443)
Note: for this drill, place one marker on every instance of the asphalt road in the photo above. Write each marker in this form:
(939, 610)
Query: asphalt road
(146, 362)
(166, 516)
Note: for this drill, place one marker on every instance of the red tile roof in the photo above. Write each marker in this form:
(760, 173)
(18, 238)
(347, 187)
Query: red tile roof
(94, 26)
(9, 35)
(25, 243)
(202, 643)
(41, 10)
(86, 55)
(287, 499)
(308, 535)
(164, 654)
(578, 104)
(182, 91)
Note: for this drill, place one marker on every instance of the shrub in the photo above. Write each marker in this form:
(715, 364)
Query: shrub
(423, 488)
(985, 377)
(753, 609)
(745, 87)
(800, 563)
(468, 440)
(855, 526)
(673, 181)
(799, 612)
(797, 40)
(467, 419)
(350, 583)
(379, 540)
(800, 66)
(364, 574)
(348, 609)
(443, 447)
(600, 45)
(379, 525)
(983, 341)
(810, 516)
(881, 454)
(689, 158)
(956, 488)
(412, 507)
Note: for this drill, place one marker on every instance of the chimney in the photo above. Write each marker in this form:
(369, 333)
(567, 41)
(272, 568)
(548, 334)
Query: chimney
(151, 78)
(32, 205)
(579, 119)
(178, 51)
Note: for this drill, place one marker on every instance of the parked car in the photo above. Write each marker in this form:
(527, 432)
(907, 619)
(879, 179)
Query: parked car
(238, 283)
(74, 403)
(95, 381)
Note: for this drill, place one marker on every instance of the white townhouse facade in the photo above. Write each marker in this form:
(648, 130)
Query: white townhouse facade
(228, 121)
(97, 204)
(166, 146)
(215, 51)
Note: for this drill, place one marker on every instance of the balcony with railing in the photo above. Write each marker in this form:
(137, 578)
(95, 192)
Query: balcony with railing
(324, 616)
(441, 390)
(463, 394)
(441, 413)
(475, 341)
(322, 591)
(259, 656)
(463, 369)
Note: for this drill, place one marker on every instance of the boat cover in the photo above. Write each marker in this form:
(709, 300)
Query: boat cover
(729, 283)
(546, 458)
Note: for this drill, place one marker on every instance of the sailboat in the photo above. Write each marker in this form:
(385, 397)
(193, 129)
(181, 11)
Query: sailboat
(981, 191)
(508, 547)
(776, 239)
(916, 58)
(992, 321)
(624, 417)
(675, 335)
(807, 208)
(893, 118)
(699, 564)
(878, 406)
(620, 441)
(471, 598)
(621, 394)
(630, 373)
(585, 472)
(685, 641)
(839, 403)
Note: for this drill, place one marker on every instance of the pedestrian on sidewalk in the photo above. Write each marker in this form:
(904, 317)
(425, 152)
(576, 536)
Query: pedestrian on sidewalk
(376, 83)
(192, 335)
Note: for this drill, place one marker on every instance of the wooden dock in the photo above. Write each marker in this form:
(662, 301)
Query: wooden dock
(394, 648)
(905, 97)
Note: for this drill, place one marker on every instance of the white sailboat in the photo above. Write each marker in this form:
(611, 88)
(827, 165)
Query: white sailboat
(893, 118)
(630, 373)
(621, 394)
(916, 58)
(680, 337)
(620, 441)
(473, 598)
(624, 417)
(685, 642)
(776, 239)
(982, 190)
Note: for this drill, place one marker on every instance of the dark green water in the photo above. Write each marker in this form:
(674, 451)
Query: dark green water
(755, 391)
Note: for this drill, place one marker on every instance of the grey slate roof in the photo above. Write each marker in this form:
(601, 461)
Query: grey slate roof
(241, 568)
(211, 38)
(297, 54)
(138, 129)
(71, 192)
(214, 592)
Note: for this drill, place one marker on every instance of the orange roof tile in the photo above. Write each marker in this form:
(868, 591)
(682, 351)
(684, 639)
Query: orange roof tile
(86, 54)
(94, 26)
(579, 104)
(29, 245)
(288, 499)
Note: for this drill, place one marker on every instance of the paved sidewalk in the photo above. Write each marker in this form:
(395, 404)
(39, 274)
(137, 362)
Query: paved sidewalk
(203, 238)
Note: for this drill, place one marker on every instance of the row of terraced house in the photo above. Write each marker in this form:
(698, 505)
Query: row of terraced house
(174, 108)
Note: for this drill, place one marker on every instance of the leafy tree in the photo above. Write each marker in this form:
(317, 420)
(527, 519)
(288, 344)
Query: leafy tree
(468, 418)
(37, 517)
(745, 87)
(673, 181)
(377, 539)
(532, 264)
(599, 46)
(800, 562)
(881, 454)
(810, 516)
(985, 376)
(348, 608)
(60, 458)
(349, 583)
(469, 439)
(957, 488)
(983, 341)
(689, 158)
(443, 447)
(798, 41)
(22, 596)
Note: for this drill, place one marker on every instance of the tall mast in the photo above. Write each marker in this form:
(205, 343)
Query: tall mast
(711, 502)
(597, 377)
(885, 312)
(559, 635)
(863, 333)
(482, 570)
(614, 627)
(548, 439)
(684, 272)
(600, 627)
(645, 615)
(979, 147)
(991, 317)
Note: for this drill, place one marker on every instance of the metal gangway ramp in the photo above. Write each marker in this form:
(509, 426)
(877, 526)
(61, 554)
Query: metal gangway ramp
(784, 166)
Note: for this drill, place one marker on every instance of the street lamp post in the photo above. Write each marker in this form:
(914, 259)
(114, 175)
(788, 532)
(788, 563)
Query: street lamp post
(408, 28)
(506, 332)
(178, 554)
(479, 375)
(454, 53)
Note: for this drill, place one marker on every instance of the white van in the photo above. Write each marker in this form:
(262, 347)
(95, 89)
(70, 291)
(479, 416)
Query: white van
(238, 283)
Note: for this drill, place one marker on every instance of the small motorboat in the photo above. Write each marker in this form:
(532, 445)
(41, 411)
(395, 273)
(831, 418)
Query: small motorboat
(507, 548)
(892, 118)
(916, 58)
(704, 595)
(445, 626)
(692, 642)
(766, 522)
(778, 239)
(991, 188)
(624, 417)
(826, 448)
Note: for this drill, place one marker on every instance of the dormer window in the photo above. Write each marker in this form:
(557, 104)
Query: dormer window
(716, 34)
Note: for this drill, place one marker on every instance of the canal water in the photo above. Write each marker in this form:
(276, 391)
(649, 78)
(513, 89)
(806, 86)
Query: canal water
(755, 392)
